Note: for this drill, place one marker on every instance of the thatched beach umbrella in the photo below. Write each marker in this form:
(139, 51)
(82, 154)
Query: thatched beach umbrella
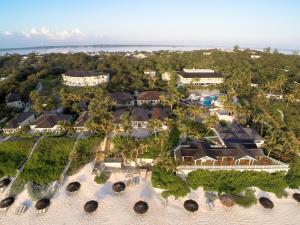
(140, 207)
(266, 203)
(191, 205)
(226, 200)
(73, 186)
(42, 204)
(296, 196)
(4, 182)
(118, 187)
(90, 206)
(5, 203)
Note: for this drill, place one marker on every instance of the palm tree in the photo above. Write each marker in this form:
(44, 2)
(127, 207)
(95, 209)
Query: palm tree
(154, 125)
(210, 122)
(126, 122)
(195, 111)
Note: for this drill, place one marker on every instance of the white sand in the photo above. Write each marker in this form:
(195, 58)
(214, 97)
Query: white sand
(117, 209)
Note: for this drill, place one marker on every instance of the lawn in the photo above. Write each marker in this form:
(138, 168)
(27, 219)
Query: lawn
(48, 161)
(13, 154)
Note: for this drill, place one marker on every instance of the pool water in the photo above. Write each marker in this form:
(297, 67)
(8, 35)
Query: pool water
(207, 101)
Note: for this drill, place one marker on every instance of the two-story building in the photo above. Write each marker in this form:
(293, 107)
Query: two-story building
(84, 78)
(201, 77)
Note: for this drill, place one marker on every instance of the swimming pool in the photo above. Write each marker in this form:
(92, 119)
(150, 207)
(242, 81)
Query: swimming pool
(208, 100)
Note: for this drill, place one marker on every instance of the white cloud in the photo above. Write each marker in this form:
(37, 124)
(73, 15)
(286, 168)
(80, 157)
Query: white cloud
(53, 35)
(7, 33)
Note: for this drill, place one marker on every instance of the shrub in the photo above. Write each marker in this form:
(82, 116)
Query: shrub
(293, 176)
(13, 154)
(102, 177)
(84, 153)
(172, 184)
(234, 182)
(48, 161)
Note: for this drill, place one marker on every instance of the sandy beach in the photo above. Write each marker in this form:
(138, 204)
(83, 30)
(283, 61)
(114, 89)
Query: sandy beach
(117, 209)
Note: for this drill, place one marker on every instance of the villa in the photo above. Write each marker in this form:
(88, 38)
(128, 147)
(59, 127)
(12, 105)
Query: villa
(18, 122)
(84, 78)
(148, 98)
(140, 117)
(79, 124)
(122, 99)
(202, 77)
(49, 123)
(118, 118)
(13, 100)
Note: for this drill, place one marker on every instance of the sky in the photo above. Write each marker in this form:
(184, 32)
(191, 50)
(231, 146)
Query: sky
(212, 23)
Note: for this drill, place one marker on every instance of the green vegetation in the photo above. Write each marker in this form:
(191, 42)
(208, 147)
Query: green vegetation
(245, 199)
(234, 182)
(48, 161)
(293, 176)
(84, 153)
(102, 177)
(172, 184)
(13, 154)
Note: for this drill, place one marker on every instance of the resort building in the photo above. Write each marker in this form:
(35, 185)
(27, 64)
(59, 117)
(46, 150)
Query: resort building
(18, 122)
(273, 96)
(140, 118)
(235, 156)
(224, 115)
(255, 56)
(84, 78)
(122, 99)
(234, 133)
(49, 123)
(79, 124)
(13, 100)
(151, 73)
(159, 114)
(201, 77)
(149, 98)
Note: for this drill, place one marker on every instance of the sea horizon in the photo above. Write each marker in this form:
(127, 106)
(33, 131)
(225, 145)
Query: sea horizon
(89, 48)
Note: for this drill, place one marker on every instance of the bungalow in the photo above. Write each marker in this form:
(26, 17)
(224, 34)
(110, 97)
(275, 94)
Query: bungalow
(84, 78)
(203, 77)
(49, 123)
(148, 98)
(140, 118)
(13, 100)
(121, 99)
(19, 121)
(79, 124)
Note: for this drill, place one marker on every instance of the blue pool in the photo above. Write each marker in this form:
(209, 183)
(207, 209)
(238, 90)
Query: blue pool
(208, 100)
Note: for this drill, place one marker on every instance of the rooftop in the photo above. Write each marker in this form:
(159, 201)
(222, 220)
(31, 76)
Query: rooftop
(19, 118)
(199, 73)
(140, 114)
(12, 97)
(83, 73)
(158, 113)
(81, 120)
(50, 120)
(122, 97)
(149, 95)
